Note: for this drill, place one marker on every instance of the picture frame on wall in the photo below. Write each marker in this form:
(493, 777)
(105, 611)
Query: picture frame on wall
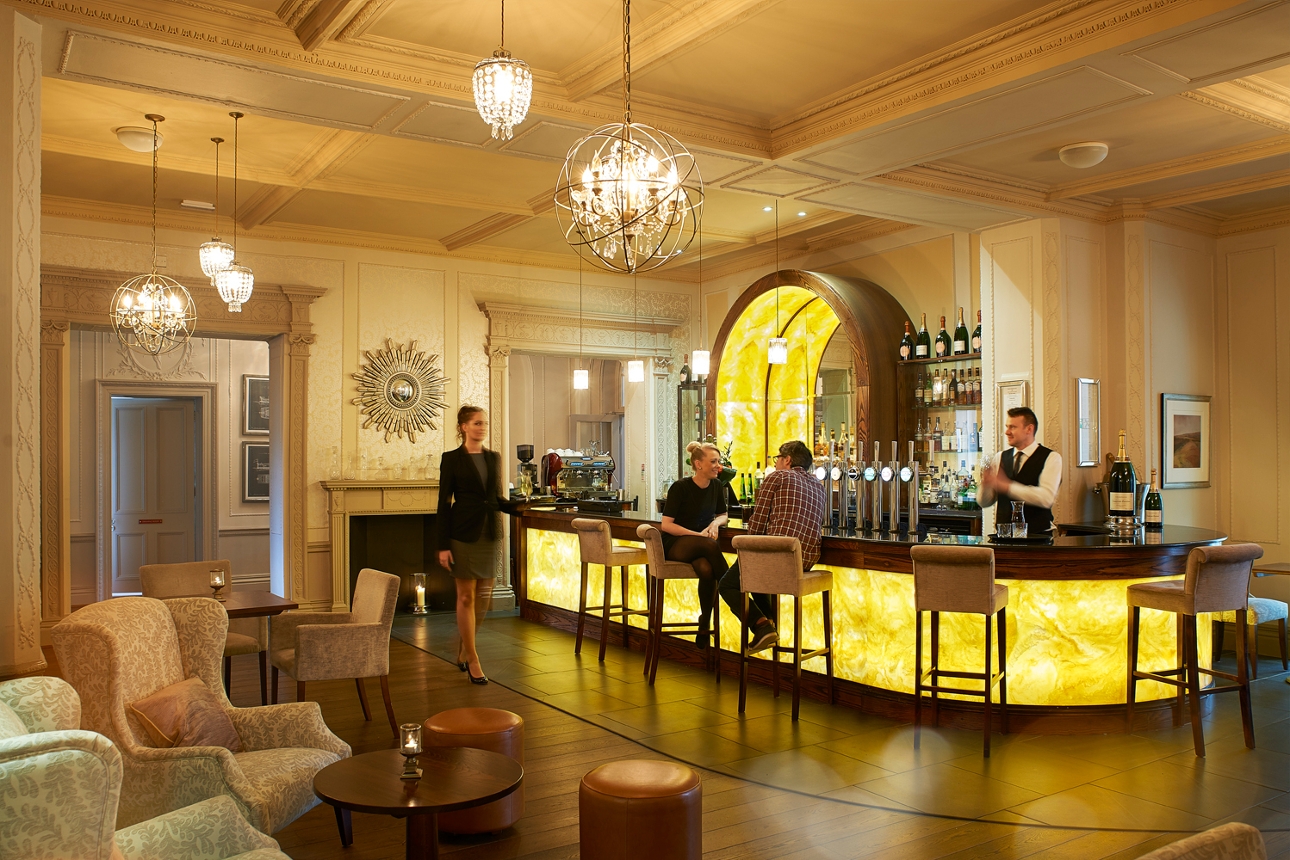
(255, 405)
(1008, 394)
(1184, 441)
(1088, 429)
(255, 471)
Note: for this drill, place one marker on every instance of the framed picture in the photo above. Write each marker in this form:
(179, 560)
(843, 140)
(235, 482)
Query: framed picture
(255, 405)
(255, 471)
(1184, 441)
(1088, 430)
(1008, 395)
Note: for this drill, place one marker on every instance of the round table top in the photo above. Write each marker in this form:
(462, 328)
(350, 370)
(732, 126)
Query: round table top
(453, 778)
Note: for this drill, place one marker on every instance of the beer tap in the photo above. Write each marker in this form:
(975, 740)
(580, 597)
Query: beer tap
(889, 476)
(829, 482)
(909, 475)
(844, 491)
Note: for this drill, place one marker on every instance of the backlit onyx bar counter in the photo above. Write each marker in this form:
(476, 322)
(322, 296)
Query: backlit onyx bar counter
(1066, 619)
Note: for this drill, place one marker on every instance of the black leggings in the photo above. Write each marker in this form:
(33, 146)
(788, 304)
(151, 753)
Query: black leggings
(704, 555)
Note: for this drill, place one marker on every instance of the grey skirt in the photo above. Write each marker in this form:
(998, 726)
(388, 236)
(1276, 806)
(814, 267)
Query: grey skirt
(476, 560)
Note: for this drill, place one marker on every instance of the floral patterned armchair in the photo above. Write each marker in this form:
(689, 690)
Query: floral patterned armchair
(120, 651)
(59, 788)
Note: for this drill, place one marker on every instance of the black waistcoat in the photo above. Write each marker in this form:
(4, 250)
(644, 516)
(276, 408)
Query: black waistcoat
(1037, 518)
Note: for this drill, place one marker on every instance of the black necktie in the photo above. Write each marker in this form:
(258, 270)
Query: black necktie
(1017, 457)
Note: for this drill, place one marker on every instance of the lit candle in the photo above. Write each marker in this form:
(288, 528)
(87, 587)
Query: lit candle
(421, 597)
(410, 748)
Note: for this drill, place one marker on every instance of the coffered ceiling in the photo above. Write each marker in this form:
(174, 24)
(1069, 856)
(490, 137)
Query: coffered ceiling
(861, 117)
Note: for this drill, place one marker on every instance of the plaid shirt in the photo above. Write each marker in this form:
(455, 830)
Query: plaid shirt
(790, 503)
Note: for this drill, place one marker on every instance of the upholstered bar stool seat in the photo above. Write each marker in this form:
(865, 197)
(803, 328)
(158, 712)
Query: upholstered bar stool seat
(1218, 581)
(660, 570)
(640, 810)
(1262, 610)
(959, 579)
(596, 546)
(482, 729)
(773, 565)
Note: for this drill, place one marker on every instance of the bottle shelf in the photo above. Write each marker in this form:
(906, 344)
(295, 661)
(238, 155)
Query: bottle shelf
(953, 407)
(948, 359)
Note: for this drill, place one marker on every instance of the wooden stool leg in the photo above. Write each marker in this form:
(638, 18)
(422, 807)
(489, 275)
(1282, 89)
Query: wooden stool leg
(774, 651)
(273, 692)
(918, 675)
(389, 706)
(935, 666)
(743, 656)
(228, 672)
(1191, 660)
(716, 627)
(264, 676)
(988, 699)
(362, 699)
(1180, 637)
(1281, 636)
(1243, 678)
(797, 655)
(605, 610)
(622, 571)
(659, 603)
(1131, 693)
(1217, 636)
(649, 622)
(1003, 668)
(1252, 644)
(828, 642)
(582, 610)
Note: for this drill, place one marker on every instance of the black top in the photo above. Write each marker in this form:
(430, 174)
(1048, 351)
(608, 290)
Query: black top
(1038, 519)
(693, 507)
(467, 511)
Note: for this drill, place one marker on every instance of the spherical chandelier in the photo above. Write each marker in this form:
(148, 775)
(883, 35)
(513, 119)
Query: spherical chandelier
(153, 313)
(235, 281)
(503, 88)
(630, 193)
(215, 255)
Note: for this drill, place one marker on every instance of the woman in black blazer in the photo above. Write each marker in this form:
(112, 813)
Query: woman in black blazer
(469, 527)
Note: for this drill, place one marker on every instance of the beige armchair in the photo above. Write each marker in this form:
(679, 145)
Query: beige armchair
(328, 646)
(120, 651)
(192, 578)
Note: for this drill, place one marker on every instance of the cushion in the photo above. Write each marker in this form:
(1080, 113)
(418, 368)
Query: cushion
(187, 714)
(10, 725)
(240, 643)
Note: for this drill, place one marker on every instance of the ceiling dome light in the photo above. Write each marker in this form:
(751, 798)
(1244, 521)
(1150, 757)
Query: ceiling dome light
(1083, 155)
(503, 88)
(138, 139)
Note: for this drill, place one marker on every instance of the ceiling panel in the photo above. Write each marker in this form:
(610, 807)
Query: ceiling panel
(447, 124)
(131, 184)
(370, 215)
(1204, 177)
(536, 234)
(1225, 48)
(1246, 204)
(910, 208)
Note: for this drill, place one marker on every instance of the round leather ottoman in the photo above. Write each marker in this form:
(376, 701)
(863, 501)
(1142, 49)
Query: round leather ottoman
(482, 729)
(641, 810)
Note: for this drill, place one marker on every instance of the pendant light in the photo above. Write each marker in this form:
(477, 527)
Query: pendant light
(503, 88)
(153, 313)
(777, 349)
(235, 281)
(635, 367)
(216, 254)
(702, 358)
(580, 376)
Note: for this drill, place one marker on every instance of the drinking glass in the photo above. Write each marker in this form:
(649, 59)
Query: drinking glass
(1003, 530)
(1019, 527)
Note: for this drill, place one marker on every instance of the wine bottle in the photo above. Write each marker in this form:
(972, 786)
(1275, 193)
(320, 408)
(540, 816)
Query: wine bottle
(1153, 509)
(923, 347)
(942, 341)
(960, 336)
(907, 342)
(685, 369)
(1123, 484)
(976, 335)
(756, 481)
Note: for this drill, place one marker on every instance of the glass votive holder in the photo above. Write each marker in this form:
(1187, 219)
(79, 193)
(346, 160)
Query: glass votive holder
(419, 592)
(217, 584)
(410, 748)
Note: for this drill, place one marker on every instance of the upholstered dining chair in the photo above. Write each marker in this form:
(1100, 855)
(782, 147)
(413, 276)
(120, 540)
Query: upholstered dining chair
(329, 646)
(192, 578)
(118, 652)
(62, 786)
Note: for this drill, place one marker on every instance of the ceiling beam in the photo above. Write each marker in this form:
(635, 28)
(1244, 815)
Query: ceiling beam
(1253, 99)
(1219, 190)
(331, 154)
(323, 20)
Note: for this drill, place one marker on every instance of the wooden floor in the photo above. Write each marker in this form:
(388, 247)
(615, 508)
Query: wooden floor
(742, 819)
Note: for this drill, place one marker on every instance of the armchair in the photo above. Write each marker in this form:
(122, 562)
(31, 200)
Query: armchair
(120, 651)
(326, 646)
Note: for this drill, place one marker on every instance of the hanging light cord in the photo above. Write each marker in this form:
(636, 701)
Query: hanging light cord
(627, 61)
(236, 116)
(154, 195)
(635, 304)
(703, 335)
(579, 309)
(777, 331)
(503, 45)
(217, 141)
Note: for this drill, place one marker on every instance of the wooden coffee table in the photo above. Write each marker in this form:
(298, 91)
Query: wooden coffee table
(452, 779)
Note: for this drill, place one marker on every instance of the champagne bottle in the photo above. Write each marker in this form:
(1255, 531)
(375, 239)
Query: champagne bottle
(907, 342)
(1153, 509)
(923, 346)
(685, 369)
(942, 341)
(976, 335)
(960, 336)
(1123, 484)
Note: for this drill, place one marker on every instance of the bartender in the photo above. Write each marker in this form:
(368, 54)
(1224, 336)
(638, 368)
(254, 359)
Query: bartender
(1027, 472)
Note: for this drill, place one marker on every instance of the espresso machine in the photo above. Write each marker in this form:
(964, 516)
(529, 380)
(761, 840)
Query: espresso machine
(527, 479)
(587, 479)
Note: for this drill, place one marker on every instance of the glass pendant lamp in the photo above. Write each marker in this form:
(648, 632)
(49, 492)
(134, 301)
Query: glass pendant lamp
(215, 255)
(235, 281)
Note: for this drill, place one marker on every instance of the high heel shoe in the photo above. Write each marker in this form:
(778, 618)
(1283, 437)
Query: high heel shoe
(463, 667)
(481, 680)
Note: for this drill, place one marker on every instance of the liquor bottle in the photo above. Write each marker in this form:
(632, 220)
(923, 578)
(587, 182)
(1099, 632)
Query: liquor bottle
(964, 476)
(919, 437)
(907, 342)
(972, 491)
(930, 391)
(739, 487)
(973, 438)
(938, 390)
(923, 346)
(1153, 509)
(976, 335)
(1123, 484)
(951, 390)
(942, 341)
(964, 391)
(936, 435)
(976, 385)
(685, 369)
(918, 390)
(756, 482)
(960, 336)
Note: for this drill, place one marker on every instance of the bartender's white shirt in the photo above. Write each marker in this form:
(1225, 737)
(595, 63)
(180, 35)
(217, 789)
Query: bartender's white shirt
(1042, 496)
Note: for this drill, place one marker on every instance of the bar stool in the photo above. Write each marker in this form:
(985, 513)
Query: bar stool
(1217, 580)
(958, 579)
(661, 570)
(597, 547)
(1262, 610)
(773, 565)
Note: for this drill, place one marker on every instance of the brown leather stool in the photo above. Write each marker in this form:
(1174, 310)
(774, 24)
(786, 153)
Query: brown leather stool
(482, 729)
(596, 546)
(640, 810)
(660, 570)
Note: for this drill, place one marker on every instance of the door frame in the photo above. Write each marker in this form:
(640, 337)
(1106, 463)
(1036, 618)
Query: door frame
(204, 393)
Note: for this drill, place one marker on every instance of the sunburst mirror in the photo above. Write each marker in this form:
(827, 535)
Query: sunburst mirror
(400, 390)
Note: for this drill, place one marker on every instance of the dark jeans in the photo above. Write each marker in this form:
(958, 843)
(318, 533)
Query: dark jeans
(704, 555)
(759, 607)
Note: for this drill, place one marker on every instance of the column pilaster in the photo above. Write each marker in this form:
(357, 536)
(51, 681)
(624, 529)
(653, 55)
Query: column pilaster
(499, 422)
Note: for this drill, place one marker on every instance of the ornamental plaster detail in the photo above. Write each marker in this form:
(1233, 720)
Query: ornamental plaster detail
(1134, 315)
(1052, 345)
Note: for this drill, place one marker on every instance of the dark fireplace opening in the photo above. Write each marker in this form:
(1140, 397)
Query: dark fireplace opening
(401, 544)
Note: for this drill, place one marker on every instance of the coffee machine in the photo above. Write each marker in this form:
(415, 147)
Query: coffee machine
(527, 482)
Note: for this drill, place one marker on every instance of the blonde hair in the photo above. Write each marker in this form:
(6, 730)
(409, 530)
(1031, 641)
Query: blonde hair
(695, 449)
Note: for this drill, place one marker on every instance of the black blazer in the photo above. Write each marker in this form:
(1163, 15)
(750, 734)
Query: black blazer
(469, 509)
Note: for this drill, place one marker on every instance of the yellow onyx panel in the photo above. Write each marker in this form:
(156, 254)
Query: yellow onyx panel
(1066, 639)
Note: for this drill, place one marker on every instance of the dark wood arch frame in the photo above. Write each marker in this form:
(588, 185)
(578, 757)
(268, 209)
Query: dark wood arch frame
(873, 321)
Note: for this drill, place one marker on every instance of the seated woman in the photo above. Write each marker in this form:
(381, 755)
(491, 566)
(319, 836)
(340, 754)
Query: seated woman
(695, 509)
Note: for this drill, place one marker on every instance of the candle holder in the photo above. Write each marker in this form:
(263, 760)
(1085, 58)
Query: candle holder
(419, 590)
(217, 584)
(410, 748)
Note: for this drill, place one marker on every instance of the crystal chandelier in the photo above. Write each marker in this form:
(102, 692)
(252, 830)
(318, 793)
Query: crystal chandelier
(629, 192)
(216, 254)
(503, 87)
(235, 281)
(153, 313)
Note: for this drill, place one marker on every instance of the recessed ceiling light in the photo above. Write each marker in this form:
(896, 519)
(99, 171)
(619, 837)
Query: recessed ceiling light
(136, 138)
(765, 208)
(801, 214)
(197, 204)
(1082, 155)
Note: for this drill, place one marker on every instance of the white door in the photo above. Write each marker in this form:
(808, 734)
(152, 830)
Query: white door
(154, 486)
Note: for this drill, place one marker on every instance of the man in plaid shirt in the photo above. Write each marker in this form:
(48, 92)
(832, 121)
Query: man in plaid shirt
(790, 503)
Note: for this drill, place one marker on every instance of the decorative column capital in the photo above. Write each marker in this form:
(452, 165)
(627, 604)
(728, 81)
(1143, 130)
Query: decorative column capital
(499, 354)
(299, 343)
(51, 332)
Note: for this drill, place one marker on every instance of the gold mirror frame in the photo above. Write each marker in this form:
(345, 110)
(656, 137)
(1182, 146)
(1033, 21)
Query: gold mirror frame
(400, 390)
